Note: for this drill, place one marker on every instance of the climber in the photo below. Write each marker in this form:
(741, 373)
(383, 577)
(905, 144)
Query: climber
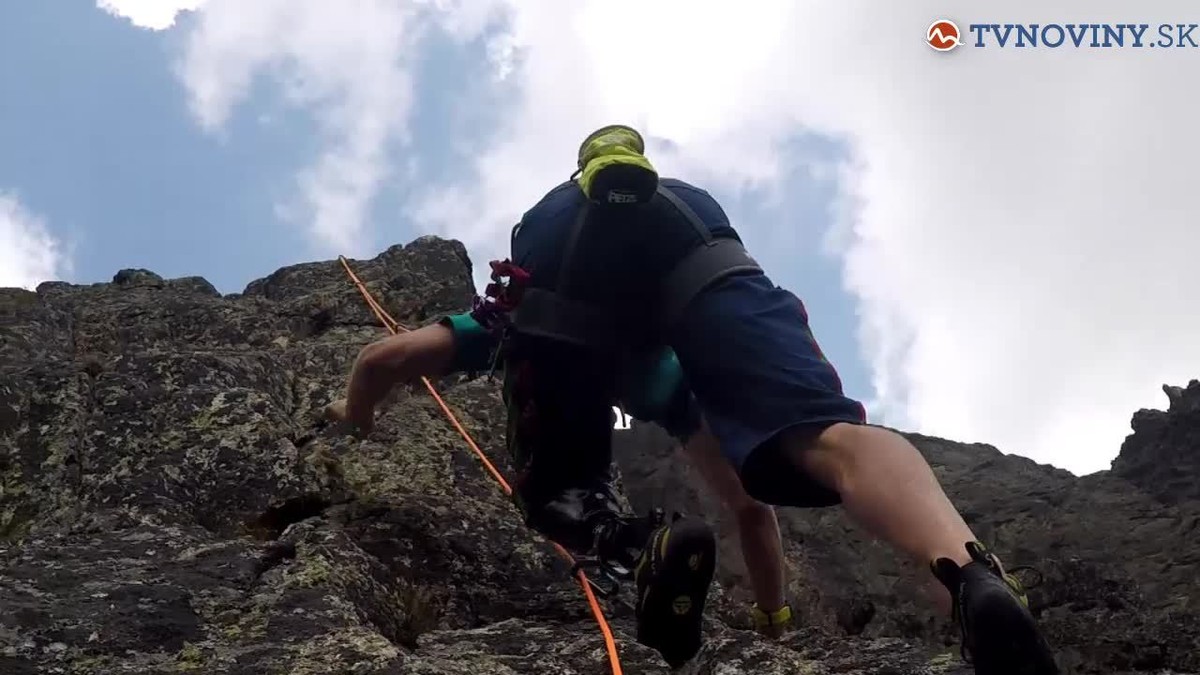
(653, 391)
(615, 261)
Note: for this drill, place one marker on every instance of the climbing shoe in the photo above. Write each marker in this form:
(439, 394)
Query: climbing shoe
(672, 576)
(772, 624)
(999, 634)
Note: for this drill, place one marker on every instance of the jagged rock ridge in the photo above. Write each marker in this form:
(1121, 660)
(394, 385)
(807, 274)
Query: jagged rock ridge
(167, 504)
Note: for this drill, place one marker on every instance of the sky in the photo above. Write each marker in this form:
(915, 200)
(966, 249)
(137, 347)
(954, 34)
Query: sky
(994, 242)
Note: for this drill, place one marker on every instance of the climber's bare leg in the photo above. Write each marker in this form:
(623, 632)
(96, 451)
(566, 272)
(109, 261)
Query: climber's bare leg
(758, 529)
(888, 488)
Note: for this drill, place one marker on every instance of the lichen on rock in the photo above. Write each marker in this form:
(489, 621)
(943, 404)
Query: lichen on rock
(170, 504)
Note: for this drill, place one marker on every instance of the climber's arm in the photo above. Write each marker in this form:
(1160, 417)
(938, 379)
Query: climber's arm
(455, 343)
(399, 359)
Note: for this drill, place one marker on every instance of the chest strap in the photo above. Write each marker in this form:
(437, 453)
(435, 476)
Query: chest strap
(551, 314)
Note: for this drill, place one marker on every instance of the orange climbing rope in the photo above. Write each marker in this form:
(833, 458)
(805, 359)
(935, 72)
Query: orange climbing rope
(394, 327)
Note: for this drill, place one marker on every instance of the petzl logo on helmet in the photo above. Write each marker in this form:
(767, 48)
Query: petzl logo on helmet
(943, 35)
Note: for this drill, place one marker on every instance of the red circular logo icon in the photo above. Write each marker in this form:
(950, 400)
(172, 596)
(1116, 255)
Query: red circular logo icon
(943, 35)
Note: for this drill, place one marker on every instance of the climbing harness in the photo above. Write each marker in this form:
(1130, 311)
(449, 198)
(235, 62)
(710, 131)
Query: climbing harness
(590, 589)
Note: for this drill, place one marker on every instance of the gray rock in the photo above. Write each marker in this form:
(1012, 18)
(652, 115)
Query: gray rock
(168, 503)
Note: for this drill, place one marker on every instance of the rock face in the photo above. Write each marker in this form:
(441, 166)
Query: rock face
(169, 504)
(1163, 456)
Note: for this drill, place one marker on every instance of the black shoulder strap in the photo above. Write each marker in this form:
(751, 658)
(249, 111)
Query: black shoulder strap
(568, 255)
(585, 210)
(700, 268)
(704, 266)
(550, 313)
(688, 214)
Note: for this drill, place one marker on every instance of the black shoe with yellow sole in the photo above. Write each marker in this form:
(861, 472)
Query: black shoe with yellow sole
(999, 634)
(673, 576)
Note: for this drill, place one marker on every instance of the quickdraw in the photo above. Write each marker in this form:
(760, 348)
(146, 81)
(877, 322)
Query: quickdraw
(605, 581)
(501, 296)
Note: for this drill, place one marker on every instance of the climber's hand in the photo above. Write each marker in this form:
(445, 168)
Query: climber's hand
(339, 412)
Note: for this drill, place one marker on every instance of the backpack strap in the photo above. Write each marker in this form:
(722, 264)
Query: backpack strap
(551, 314)
(699, 269)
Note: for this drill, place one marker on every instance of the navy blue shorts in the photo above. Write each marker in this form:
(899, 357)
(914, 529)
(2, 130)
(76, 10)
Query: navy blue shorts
(756, 370)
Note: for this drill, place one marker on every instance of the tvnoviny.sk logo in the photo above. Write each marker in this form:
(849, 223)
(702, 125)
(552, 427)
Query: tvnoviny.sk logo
(943, 35)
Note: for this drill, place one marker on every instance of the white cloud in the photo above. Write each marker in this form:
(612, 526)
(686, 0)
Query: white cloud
(348, 62)
(579, 65)
(1020, 241)
(29, 254)
(1023, 230)
(151, 14)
